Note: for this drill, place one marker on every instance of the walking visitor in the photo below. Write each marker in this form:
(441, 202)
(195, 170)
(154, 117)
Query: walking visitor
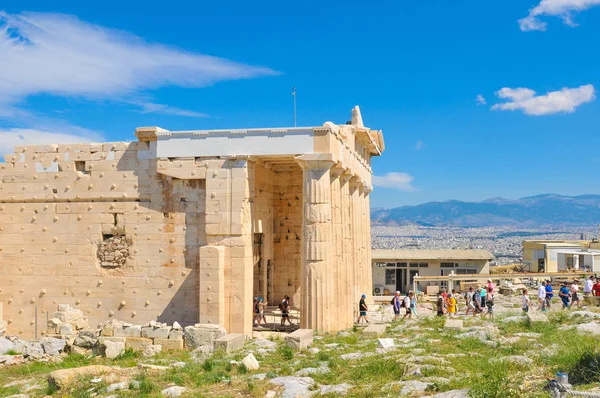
(469, 301)
(542, 297)
(451, 305)
(525, 302)
(284, 306)
(362, 309)
(406, 303)
(565, 294)
(574, 289)
(549, 293)
(489, 303)
(396, 304)
(440, 304)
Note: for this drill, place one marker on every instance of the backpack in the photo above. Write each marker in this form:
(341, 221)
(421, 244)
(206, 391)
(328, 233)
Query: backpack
(403, 305)
(392, 302)
(281, 306)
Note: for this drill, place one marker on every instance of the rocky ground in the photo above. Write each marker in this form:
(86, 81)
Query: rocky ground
(510, 356)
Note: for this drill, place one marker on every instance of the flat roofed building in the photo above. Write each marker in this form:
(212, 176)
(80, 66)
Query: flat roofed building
(561, 255)
(189, 226)
(394, 270)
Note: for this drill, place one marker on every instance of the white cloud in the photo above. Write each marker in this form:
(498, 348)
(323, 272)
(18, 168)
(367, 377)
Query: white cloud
(393, 180)
(565, 100)
(60, 55)
(148, 107)
(480, 100)
(419, 145)
(559, 8)
(10, 138)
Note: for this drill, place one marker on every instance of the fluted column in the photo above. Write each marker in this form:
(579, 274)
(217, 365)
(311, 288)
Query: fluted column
(347, 250)
(317, 272)
(355, 184)
(367, 252)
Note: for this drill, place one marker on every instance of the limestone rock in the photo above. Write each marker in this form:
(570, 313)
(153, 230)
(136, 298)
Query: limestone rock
(113, 349)
(451, 394)
(537, 317)
(63, 377)
(514, 359)
(301, 338)
(453, 324)
(29, 349)
(592, 327)
(86, 339)
(514, 319)
(117, 386)
(202, 353)
(177, 326)
(385, 343)
(5, 346)
(151, 350)
(585, 314)
(3, 326)
(336, 390)
(250, 362)
(374, 330)
(173, 392)
(12, 360)
(412, 387)
(52, 346)
(203, 334)
(294, 387)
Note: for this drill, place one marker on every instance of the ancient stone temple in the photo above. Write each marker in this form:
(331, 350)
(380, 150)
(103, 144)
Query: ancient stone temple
(189, 226)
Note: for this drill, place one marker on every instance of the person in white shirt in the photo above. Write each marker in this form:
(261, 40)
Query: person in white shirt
(525, 302)
(574, 294)
(589, 284)
(542, 296)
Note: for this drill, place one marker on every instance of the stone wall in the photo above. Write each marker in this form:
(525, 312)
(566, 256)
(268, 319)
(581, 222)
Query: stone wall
(62, 203)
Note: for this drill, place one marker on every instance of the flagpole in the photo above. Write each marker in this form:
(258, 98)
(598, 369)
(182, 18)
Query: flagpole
(294, 94)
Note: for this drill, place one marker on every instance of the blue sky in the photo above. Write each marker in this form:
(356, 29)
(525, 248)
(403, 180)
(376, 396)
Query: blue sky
(89, 71)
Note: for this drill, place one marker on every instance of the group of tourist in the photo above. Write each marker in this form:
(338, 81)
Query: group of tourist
(258, 308)
(568, 294)
(477, 301)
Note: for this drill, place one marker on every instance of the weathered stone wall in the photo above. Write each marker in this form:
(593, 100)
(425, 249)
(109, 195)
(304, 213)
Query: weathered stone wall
(288, 236)
(61, 202)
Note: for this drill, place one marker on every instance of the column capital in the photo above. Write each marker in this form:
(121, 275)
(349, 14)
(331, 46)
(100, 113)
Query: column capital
(367, 189)
(355, 182)
(315, 161)
(337, 170)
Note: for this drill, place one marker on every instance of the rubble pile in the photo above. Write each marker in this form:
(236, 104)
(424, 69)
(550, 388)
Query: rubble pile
(113, 252)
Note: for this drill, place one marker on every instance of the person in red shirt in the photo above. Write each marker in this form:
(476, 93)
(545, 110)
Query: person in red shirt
(596, 290)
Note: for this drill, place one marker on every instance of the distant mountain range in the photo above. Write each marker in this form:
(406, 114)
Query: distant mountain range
(532, 211)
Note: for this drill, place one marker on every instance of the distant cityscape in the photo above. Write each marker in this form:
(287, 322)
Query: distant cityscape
(504, 242)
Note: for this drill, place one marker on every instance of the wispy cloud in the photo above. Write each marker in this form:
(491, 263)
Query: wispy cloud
(560, 8)
(565, 100)
(419, 145)
(480, 100)
(148, 107)
(60, 55)
(394, 180)
(10, 138)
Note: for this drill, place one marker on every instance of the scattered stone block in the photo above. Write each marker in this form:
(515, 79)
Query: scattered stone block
(5, 346)
(80, 350)
(202, 353)
(173, 392)
(137, 343)
(591, 328)
(203, 334)
(156, 332)
(231, 342)
(176, 334)
(29, 349)
(301, 338)
(86, 339)
(250, 362)
(52, 346)
(169, 344)
(335, 390)
(64, 377)
(385, 343)
(413, 387)
(151, 350)
(127, 331)
(294, 386)
(453, 324)
(374, 330)
(103, 339)
(537, 317)
(66, 329)
(113, 349)
(9, 360)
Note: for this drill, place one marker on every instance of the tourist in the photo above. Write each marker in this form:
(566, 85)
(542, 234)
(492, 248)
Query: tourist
(440, 304)
(489, 303)
(413, 303)
(406, 303)
(483, 294)
(491, 285)
(587, 290)
(469, 301)
(445, 297)
(285, 310)
(564, 294)
(574, 289)
(542, 297)
(549, 293)
(396, 304)
(525, 302)
(477, 301)
(255, 311)
(362, 309)
(261, 308)
(596, 291)
(451, 305)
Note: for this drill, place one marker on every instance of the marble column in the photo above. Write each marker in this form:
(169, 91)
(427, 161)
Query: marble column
(317, 273)
(347, 249)
(354, 185)
(368, 270)
(339, 277)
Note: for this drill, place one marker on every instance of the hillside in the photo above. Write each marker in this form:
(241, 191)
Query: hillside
(530, 211)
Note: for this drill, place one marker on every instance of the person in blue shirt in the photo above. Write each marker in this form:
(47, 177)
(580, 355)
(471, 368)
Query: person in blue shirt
(549, 293)
(565, 294)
